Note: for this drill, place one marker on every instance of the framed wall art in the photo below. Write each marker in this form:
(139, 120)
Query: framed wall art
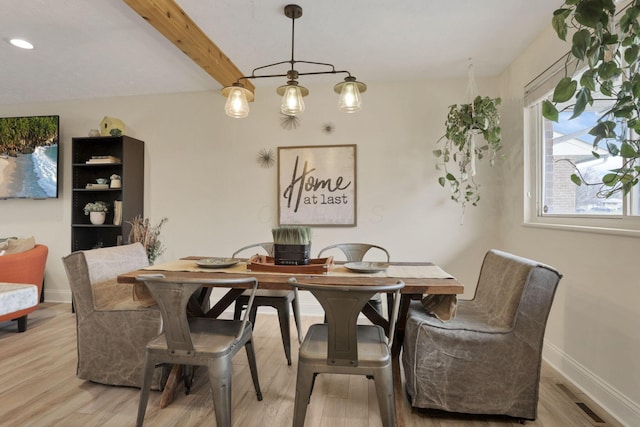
(317, 185)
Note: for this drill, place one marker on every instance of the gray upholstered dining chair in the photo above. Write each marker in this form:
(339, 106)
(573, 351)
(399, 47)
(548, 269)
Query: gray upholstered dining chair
(280, 300)
(355, 252)
(112, 328)
(198, 341)
(486, 360)
(341, 346)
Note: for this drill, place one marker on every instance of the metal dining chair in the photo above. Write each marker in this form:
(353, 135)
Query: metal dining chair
(198, 341)
(280, 300)
(355, 252)
(341, 346)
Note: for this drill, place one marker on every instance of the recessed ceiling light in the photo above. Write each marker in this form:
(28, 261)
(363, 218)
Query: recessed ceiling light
(21, 43)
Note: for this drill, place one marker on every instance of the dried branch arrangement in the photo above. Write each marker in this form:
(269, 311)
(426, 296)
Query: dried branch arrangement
(142, 231)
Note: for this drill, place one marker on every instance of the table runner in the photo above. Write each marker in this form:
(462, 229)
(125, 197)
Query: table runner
(394, 271)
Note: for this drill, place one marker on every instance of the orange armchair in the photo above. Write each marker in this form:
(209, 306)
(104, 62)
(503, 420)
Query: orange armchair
(23, 268)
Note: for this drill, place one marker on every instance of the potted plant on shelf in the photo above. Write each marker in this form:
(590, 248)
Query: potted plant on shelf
(457, 159)
(97, 211)
(611, 55)
(291, 245)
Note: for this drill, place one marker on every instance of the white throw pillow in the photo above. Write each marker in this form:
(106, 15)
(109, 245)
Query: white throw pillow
(17, 245)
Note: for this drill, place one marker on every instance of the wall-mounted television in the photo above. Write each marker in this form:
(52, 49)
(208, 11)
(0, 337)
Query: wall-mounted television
(29, 157)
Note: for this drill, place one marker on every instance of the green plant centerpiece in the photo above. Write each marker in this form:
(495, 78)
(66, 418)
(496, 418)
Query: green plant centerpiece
(291, 245)
(611, 56)
(98, 206)
(458, 156)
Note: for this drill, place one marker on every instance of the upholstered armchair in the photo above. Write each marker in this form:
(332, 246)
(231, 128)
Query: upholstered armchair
(486, 360)
(113, 329)
(19, 270)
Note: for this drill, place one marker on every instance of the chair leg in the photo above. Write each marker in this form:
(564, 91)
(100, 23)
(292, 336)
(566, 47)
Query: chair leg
(149, 366)
(188, 373)
(22, 324)
(252, 315)
(237, 310)
(304, 383)
(296, 317)
(220, 383)
(384, 390)
(251, 357)
(285, 331)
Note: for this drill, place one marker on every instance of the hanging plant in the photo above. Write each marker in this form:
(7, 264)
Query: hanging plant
(612, 56)
(458, 156)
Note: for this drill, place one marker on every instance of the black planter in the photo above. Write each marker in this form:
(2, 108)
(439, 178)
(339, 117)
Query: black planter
(291, 254)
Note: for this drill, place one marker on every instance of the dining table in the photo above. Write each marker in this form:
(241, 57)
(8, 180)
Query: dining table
(420, 278)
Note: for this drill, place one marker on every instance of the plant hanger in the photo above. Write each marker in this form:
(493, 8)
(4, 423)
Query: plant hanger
(470, 94)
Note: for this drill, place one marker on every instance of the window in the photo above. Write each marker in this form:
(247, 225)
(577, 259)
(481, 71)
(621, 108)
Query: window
(567, 149)
(558, 150)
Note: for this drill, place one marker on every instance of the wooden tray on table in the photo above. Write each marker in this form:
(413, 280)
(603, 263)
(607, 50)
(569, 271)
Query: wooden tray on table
(263, 263)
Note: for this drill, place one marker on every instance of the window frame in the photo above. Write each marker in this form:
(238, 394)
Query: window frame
(627, 223)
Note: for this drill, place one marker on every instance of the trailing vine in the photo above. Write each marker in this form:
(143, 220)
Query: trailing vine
(460, 151)
(612, 56)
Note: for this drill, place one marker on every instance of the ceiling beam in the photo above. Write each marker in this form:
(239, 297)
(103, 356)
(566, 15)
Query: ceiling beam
(173, 23)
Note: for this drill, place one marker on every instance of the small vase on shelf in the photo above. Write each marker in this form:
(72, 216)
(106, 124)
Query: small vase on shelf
(97, 218)
(117, 212)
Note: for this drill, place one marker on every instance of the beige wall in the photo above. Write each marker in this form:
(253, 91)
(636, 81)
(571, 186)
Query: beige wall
(593, 333)
(202, 174)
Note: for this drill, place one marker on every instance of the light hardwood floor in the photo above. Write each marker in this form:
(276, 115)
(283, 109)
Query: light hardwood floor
(38, 387)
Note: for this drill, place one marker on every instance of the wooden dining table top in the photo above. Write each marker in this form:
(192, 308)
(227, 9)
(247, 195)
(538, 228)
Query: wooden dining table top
(280, 281)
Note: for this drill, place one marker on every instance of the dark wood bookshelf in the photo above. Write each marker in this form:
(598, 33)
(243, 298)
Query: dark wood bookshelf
(130, 167)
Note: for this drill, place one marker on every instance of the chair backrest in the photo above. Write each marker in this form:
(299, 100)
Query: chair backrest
(502, 283)
(266, 246)
(354, 252)
(342, 306)
(87, 268)
(172, 299)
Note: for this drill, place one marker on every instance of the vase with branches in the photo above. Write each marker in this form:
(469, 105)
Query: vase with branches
(148, 235)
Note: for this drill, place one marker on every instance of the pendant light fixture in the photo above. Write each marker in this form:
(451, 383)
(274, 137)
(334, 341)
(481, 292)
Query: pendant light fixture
(238, 97)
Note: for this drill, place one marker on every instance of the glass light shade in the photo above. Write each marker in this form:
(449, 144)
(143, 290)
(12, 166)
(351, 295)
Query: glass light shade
(349, 100)
(237, 105)
(292, 103)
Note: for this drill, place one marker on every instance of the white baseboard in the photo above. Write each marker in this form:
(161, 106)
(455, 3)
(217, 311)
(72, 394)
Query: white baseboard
(611, 400)
(54, 295)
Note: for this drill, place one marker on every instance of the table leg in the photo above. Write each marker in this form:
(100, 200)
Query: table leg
(396, 347)
(296, 309)
(375, 317)
(170, 387)
(224, 302)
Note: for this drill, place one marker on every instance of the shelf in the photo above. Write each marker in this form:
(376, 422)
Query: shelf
(93, 165)
(96, 190)
(96, 225)
(130, 168)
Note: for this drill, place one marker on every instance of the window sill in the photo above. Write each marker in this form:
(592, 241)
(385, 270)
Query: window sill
(633, 229)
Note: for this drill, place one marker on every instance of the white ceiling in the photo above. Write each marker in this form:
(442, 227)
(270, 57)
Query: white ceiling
(102, 48)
